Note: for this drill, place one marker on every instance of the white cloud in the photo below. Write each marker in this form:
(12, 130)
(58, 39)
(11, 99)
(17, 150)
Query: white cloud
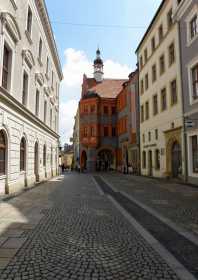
(76, 64)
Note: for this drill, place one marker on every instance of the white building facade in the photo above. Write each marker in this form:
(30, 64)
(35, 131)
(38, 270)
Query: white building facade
(161, 114)
(30, 74)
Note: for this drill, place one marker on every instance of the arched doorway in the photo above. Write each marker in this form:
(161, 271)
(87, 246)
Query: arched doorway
(23, 159)
(3, 153)
(36, 161)
(105, 160)
(44, 160)
(176, 159)
(83, 161)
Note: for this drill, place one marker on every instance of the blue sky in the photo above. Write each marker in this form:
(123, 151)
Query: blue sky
(77, 44)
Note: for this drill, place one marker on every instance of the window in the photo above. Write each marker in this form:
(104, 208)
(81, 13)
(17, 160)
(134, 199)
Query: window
(163, 99)
(92, 108)
(194, 154)
(173, 92)
(162, 64)
(52, 80)
(51, 117)
(45, 111)
(25, 89)
(44, 155)
(55, 122)
(86, 109)
(145, 56)
(85, 132)
(146, 81)
(106, 131)
(144, 159)
(142, 86)
(143, 138)
(155, 105)
(29, 21)
(156, 134)
(193, 27)
(160, 32)
(142, 113)
(154, 73)
(153, 44)
(40, 49)
(171, 51)
(106, 111)
(147, 110)
(22, 154)
(157, 159)
(149, 136)
(113, 131)
(169, 19)
(2, 153)
(92, 131)
(195, 81)
(141, 62)
(113, 110)
(6, 67)
(47, 66)
(37, 103)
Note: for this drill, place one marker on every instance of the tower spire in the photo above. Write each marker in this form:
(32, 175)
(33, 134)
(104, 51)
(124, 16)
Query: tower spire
(98, 67)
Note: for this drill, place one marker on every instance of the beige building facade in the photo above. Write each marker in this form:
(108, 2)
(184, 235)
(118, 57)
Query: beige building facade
(30, 74)
(161, 121)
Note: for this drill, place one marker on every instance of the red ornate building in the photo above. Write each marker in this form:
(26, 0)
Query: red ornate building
(100, 126)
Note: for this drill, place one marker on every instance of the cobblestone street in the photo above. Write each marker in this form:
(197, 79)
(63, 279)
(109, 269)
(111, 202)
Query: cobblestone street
(175, 201)
(69, 228)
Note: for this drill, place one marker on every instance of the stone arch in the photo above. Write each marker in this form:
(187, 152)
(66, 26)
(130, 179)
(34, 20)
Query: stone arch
(6, 134)
(106, 159)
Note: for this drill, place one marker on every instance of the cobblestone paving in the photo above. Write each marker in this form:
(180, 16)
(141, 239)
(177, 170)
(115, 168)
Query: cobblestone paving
(83, 236)
(175, 201)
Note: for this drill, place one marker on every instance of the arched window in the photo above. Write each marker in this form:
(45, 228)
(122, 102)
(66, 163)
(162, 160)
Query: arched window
(2, 153)
(22, 154)
(44, 155)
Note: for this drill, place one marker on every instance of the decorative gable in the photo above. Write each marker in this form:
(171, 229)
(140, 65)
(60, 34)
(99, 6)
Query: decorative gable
(28, 58)
(9, 23)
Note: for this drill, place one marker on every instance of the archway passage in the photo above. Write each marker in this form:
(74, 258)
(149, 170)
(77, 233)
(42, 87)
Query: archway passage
(36, 162)
(83, 161)
(176, 159)
(105, 160)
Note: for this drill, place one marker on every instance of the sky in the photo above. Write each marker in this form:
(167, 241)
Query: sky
(80, 26)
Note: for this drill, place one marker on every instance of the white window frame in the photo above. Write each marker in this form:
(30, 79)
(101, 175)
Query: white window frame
(7, 40)
(190, 86)
(26, 69)
(190, 166)
(188, 19)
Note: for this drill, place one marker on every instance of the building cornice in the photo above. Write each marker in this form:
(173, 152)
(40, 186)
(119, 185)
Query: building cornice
(10, 101)
(163, 2)
(42, 9)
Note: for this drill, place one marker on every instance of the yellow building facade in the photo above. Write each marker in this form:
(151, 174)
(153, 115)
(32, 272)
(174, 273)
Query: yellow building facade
(161, 121)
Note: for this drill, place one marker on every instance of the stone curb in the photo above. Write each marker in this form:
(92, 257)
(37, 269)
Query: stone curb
(173, 263)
